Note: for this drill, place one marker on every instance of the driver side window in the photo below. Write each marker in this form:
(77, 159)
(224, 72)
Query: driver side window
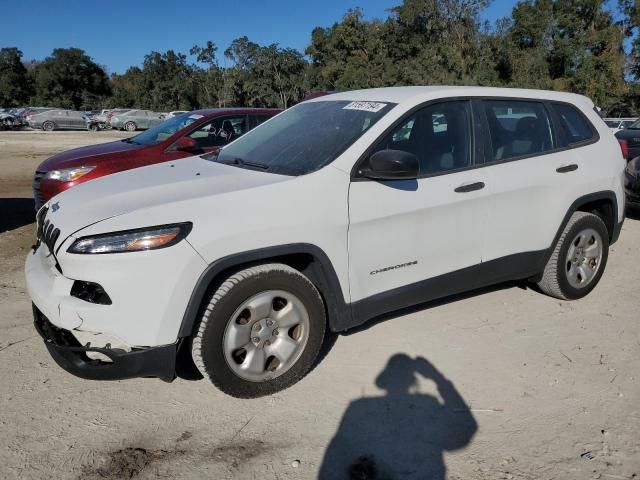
(220, 131)
(439, 135)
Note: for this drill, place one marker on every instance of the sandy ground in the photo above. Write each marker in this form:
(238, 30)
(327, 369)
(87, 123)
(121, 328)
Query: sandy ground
(537, 388)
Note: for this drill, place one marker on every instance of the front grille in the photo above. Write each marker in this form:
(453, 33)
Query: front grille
(37, 194)
(46, 233)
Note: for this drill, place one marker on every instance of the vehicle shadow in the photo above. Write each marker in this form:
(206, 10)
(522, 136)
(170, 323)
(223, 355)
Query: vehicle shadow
(435, 303)
(402, 434)
(16, 212)
(633, 214)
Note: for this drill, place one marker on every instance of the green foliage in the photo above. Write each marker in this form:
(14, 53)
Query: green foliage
(571, 45)
(15, 85)
(70, 79)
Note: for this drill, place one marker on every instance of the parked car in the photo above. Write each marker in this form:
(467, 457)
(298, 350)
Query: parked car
(58, 120)
(629, 140)
(135, 120)
(320, 219)
(173, 114)
(9, 121)
(632, 183)
(617, 124)
(29, 112)
(202, 131)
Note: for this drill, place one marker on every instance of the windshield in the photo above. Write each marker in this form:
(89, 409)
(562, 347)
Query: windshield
(164, 130)
(304, 138)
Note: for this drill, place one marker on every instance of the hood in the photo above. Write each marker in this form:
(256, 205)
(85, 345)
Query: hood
(166, 183)
(78, 157)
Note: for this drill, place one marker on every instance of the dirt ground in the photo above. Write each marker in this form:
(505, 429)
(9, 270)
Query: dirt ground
(537, 388)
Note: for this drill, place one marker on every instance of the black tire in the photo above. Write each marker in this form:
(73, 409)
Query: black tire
(555, 279)
(130, 127)
(92, 127)
(207, 348)
(48, 126)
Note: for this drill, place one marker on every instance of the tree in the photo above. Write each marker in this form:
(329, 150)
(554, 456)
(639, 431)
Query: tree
(128, 89)
(69, 78)
(15, 85)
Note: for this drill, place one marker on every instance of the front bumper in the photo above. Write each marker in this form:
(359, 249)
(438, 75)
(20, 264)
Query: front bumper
(159, 362)
(148, 290)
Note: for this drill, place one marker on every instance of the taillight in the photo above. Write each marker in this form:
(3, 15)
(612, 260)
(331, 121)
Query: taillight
(624, 147)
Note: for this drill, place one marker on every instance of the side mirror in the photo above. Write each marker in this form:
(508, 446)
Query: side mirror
(391, 165)
(186, 144)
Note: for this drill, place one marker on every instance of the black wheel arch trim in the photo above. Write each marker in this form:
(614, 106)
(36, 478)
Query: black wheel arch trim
(321, 270)
(575, 206)
(343, 315)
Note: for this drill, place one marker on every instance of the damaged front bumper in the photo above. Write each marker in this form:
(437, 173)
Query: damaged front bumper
(68, 353)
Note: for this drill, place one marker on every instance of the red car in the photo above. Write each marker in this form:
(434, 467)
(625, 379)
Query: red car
(192, 133)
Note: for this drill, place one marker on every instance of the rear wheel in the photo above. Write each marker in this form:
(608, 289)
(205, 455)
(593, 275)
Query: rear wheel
(48, 126)
(261, 331)
(130, 127)
(579, 258)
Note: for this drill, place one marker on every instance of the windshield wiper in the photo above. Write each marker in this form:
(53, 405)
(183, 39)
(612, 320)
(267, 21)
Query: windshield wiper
(129, 140)
(248, 163)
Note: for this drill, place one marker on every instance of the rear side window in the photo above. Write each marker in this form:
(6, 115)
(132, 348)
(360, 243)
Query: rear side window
(518, 128)
(258, 119)
(574, 125)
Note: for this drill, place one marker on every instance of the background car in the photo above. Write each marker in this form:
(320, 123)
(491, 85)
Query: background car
(135, 120)
(629, 139)
(59, 120)
(174, 113)
(199, 132)
(617, 124)
(632, 184)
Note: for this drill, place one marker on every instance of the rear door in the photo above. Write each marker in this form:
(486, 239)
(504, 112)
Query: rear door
(62, 119)
(77, 121)
(142, 119)
(533, 177)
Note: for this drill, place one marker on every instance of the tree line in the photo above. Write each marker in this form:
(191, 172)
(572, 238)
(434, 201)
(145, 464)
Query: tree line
(568, 45)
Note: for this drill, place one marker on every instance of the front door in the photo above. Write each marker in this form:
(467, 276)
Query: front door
(404, 232)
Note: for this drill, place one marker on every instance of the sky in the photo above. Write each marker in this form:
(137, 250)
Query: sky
(119, 34)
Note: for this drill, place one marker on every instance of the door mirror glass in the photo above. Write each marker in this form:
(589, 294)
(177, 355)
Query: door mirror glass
(391, 165)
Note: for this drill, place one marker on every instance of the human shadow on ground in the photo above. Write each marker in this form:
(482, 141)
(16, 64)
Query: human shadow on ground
(15, 213)
(403, 434)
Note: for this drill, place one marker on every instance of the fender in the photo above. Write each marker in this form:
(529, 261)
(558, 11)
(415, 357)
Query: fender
(591, 197)
(321, 272)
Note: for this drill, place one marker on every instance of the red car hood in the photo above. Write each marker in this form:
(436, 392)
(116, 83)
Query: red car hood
(89, 154)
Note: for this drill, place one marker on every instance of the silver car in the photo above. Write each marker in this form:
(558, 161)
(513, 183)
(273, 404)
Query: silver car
(59, 120)
(135, 120)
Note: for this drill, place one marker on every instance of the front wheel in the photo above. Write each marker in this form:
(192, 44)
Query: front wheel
(130, 127)
(48, 126)
(261, 331)
(578, 259)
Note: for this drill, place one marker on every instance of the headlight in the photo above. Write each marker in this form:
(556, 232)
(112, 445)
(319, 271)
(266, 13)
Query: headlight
(68, 174)
(150, 238)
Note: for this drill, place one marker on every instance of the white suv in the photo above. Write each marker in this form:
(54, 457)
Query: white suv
(340, 209)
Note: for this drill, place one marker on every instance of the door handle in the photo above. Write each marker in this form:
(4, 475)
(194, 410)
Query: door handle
(469, 187)
(567, 168)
